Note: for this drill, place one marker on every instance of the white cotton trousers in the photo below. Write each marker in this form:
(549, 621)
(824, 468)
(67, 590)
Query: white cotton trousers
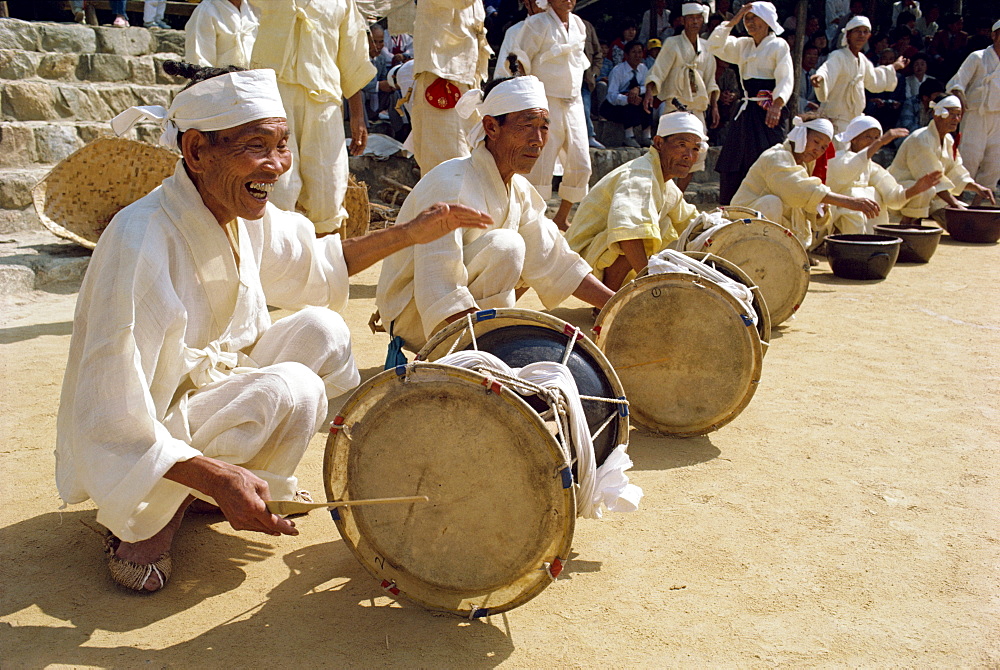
(981, 146)
(851, 222)
(317, 182)
(493, 262)
(154, 10)
(436, 135)
(567, 134)
(263, 419)
(773, 209)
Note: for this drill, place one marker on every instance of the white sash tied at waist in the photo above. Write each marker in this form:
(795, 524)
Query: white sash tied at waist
(212, 364)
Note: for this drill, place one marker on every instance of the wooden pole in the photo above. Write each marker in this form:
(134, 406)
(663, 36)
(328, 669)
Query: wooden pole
(3, 10)
(801, 9)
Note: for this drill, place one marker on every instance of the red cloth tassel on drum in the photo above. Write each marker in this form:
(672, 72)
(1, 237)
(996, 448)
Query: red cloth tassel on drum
(821, 163)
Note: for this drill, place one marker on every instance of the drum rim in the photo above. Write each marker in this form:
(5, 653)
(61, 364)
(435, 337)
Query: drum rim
(638, 284)
(513, 316)
(777, 318)
(338, 449)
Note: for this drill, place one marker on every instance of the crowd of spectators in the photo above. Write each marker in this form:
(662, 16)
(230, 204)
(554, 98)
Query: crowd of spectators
(934, 41)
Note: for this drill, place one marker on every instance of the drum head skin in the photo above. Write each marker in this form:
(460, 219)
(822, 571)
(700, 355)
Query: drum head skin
(772, 257)
(735, 273)
(519, 337)
(502, 506)
(688, 359)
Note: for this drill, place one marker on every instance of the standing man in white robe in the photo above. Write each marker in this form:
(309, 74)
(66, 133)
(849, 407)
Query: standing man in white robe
(319, 50)
(782, 185)
(424, 287)
(450, 56)
(841, 81)
(637, 209)
(854, 173)
(177, 384)
(685, 70)
(221, 33)
(932, 148)
(550, 47)
(977, 85)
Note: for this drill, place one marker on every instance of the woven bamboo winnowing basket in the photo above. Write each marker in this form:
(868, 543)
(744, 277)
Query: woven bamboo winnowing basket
(80, 196)
(358, 210)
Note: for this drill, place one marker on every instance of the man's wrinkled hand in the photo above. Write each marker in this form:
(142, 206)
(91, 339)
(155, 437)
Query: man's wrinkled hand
(359, 136)
(442, 218)
(241, 496)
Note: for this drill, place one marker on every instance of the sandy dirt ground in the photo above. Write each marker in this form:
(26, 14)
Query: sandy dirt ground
(849, 517)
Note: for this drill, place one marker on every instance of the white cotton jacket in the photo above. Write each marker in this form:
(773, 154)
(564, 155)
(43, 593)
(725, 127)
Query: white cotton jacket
(857, 175)
(770, 59)
(161, 297)
(979, 79)
(682, 72)
(845, 79)
(434, 274)
(553, 52)
(218, 34)
(320, 45)
(449, 40)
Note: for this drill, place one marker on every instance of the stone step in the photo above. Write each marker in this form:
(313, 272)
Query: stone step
(39, 100)
(34, 144)
(16, 185)
(76, 38)
(19, 65)
(37, 260)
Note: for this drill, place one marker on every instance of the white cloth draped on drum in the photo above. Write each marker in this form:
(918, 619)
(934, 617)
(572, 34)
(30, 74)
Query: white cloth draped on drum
(605, 486)
(669, 260)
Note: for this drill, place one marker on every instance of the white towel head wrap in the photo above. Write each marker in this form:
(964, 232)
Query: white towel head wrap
(542, 4)
(799, 134)
(996, 26)
(681, 122)
(690, 8)
(858, 125)
(766, 12)
(513, 95)
(941, 106)
(856, 22)
(222, 102)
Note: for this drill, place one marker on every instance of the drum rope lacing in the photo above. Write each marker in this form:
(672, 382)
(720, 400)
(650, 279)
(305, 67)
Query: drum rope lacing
(553, 382)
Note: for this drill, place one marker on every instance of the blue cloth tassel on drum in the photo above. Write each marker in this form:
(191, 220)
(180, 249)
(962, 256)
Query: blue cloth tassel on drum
(395, 355)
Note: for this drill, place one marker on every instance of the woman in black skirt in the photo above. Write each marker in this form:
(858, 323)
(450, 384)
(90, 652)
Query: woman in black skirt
(765, 66)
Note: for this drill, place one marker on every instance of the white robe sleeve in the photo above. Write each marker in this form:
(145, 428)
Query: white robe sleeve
(296, 268)
(723, 45)
(881, 78)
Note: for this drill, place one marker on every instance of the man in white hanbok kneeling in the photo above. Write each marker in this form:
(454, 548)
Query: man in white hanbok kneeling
(424, 287)
(178, 385)
(854, 173)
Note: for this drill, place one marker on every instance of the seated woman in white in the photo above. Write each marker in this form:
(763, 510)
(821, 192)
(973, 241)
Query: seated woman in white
(855, 173)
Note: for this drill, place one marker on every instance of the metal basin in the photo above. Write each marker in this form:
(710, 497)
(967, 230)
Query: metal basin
(919, 242)
(862, 256)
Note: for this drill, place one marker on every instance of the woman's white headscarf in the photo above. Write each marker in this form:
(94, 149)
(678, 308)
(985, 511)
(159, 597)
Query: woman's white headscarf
(799, 134)
(858, 125)
(222, 102)
(767, 13)
(941, 106)
(513, 95)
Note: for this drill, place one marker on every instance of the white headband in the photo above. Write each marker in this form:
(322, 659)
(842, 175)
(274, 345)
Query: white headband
(681, 122)
(856, 22)
(996, 26)
(690, 8)
(513, 95)
(766, 12)
(542, 4)
(858, 125)
(941, 106)
(222, 102)
(799, 134)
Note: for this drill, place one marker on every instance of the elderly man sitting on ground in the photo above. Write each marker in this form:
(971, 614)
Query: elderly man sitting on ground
(424, 287)
(932, 149)
(784, 186)
(178, 385)
(636, 210)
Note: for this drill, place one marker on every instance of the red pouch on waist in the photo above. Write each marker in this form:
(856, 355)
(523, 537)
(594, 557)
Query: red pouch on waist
(442, 94)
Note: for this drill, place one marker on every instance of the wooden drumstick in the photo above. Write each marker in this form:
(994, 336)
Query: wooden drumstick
(296, 507)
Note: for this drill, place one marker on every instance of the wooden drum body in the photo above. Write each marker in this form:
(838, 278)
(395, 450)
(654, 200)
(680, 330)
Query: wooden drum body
(499, 523)
(687, 355)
